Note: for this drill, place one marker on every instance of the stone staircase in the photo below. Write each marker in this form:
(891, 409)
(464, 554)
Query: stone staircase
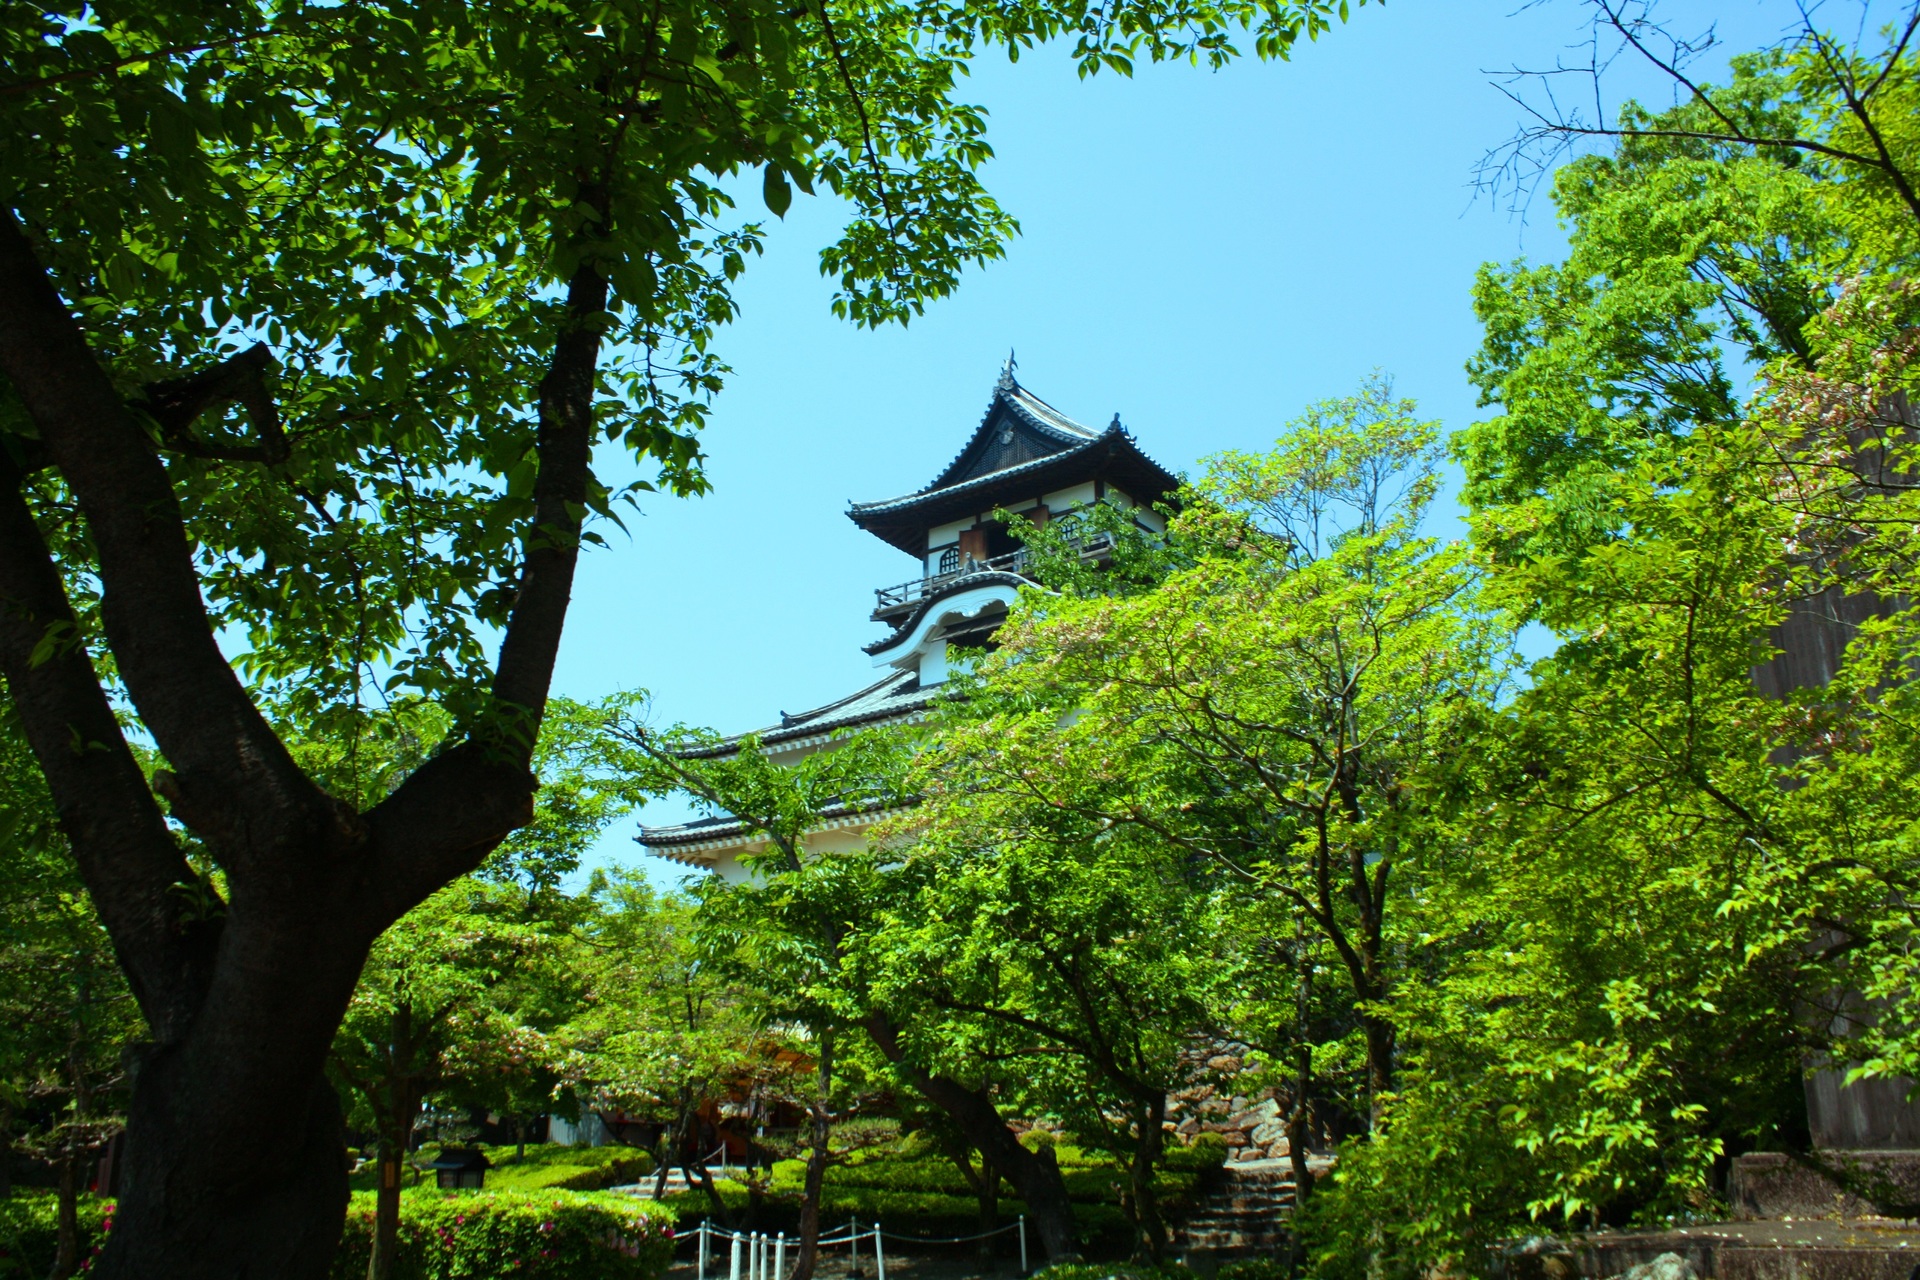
(1245, 1214)
(676, 1181)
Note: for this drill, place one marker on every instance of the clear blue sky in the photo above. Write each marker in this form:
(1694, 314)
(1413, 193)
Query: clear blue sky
(1203, 253)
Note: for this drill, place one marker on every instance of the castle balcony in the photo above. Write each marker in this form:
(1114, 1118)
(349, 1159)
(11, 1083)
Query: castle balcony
(895, 602)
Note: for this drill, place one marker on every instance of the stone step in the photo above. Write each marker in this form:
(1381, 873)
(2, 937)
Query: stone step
(1829, 1250)
(1245, 1214)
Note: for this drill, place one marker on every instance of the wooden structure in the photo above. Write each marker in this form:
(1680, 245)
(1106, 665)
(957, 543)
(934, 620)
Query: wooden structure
(460, 1168)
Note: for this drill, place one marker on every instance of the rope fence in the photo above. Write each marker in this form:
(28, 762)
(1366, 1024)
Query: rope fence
(758, 1255)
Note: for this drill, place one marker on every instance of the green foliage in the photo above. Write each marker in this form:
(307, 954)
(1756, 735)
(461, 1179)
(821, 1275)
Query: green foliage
(1661, 854)
(69, 1014)
(1090, 1181)
(1109, 1271)
(562, 1235)
(1133, 558)
(657, 1032)
(342, 184)
(1207, 1151)
(1264, 716)
(28, 1232)
(448, 1003)
(1687, 259)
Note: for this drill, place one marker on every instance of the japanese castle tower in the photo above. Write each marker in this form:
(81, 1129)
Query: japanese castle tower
(1026, 458)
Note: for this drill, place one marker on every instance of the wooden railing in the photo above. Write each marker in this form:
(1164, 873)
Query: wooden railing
(913, 592)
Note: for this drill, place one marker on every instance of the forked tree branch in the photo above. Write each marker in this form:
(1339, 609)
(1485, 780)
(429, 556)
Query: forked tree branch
(454, 810)
(1557, 129)
(131, 865)
(177, 402)
(230, 763)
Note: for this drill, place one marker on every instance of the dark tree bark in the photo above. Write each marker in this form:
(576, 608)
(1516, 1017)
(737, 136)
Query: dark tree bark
(1036, 1174)
(66, 1247)
(820, 1113)
(235, 1161)
(674, 1144)
(1297, 1114)
(985, 1182)
(717, 1202)
(397, 1103)
(1150, 1229)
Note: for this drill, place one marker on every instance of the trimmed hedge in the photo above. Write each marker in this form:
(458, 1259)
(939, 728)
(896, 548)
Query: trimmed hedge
(29, 1230)
(1244, 1269)
(917, 1192)
(555, 1235)
(554, 1168)
(546, 1167)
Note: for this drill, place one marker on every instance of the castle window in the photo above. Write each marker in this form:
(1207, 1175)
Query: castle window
(950, 560)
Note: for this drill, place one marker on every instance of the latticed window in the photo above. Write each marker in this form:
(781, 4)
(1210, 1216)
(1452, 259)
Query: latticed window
(950, 560)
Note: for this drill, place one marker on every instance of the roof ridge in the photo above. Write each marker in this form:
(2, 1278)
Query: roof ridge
(1063, 426)
(1030, 409)
(1015, 469)
(794, 721)
(895, 688)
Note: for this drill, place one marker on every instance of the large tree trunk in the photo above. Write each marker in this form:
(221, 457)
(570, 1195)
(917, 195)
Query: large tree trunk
(1380, 1038)
(386, 1214)
(1150, 1230)
(1035, 1174)
(396, 1135)
(1298, 1114)
(235, 1157)
(266, 1202)
(674, 1144)
(815, 1186)
(66, 1240)
(987, 1190)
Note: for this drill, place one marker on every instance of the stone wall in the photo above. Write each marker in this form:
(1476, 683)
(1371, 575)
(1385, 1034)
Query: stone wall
(1253, 1126)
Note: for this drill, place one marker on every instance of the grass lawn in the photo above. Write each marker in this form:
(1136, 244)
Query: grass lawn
(546, 1167)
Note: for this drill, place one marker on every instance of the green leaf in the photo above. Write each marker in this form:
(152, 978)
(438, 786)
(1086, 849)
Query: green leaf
(776, 192)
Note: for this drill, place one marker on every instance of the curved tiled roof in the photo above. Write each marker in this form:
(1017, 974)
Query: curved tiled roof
(1027, 408)
(896, 696)
(988, 480)
(1111, 454)
(965, 582)
(727, 830)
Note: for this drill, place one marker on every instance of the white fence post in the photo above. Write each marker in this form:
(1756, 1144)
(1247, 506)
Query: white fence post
(853, 1249)
(733, 1272)
(780, 1257)
(704, 1246)
(1023, 1244)
(879, 1254)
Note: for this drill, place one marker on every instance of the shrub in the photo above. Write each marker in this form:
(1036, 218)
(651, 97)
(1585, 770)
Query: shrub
(1256, 1269)
(555, 1235)
(1115, 1271)
(911, 1213)
(1088, 1181)
(28, 1231)
(1206, 1151)
(918, 1192)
